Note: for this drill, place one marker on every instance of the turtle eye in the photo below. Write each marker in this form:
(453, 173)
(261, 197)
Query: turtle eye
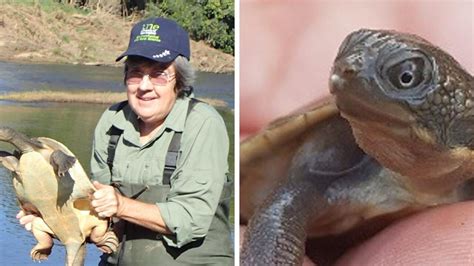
(406, 74)
(406, 78)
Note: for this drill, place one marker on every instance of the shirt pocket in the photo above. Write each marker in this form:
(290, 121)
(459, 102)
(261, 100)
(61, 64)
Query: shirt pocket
(152, 173)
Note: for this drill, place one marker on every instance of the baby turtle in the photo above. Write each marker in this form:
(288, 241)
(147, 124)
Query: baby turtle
(396, 138)
(51, 183)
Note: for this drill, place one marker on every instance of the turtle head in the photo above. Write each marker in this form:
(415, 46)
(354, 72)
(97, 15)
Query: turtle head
(404, 90)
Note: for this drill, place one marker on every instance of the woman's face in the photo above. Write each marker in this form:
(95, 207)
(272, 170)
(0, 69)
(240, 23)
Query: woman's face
(151, 90)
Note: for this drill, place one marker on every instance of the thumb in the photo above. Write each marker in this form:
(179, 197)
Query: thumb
(98, 185)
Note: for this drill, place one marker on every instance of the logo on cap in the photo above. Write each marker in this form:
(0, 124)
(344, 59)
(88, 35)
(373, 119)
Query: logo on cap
(163, 54)
(148, 33)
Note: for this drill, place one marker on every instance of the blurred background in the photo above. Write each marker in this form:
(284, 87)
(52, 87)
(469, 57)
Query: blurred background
(287, 47)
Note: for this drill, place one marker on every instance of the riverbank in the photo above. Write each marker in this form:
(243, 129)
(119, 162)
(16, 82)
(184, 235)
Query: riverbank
(81, 97)
(32, 33)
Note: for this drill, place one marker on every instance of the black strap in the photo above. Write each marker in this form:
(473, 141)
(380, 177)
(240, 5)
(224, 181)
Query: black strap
(114, 134)
(173, 149)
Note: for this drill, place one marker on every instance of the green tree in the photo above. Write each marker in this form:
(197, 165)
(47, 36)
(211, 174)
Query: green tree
(208, 20)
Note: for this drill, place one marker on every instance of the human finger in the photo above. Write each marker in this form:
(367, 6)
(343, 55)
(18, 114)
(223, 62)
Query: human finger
(27, 220)
(106, 213)
(107, 210)
(105, 202)
(103, 194)
(20, 214)
(441, 235)
(99, 185)
(104, 198)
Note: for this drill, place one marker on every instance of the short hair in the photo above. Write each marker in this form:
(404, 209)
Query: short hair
(185, 76)
(185, 73)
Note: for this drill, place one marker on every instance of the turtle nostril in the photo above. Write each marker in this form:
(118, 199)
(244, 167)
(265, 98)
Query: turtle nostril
(336, 83)
(350, 65)
(349, 70)
(341, 73)
(346, 69)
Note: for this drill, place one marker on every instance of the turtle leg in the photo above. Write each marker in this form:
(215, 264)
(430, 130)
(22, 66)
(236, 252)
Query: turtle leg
(104, 239)
(320, 196)
(42, 233)
(277, 232)
(8, 161)
(61, 162)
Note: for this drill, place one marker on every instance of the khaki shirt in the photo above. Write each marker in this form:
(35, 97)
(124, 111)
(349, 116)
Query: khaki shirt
(201, 170)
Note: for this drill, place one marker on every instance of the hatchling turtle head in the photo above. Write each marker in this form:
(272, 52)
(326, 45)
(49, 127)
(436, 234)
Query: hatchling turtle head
(402, 93)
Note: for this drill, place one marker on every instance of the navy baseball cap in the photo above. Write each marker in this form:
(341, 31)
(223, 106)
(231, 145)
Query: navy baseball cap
(158, 39)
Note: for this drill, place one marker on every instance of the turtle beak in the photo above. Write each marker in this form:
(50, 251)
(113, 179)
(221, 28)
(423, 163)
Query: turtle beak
(336, 82)
(342, 71)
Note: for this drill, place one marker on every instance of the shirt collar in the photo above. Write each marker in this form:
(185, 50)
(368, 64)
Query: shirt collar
(127, 121)
(177, 117)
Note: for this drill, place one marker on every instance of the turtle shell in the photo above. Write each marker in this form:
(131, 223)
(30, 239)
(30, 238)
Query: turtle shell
(266, 157)
(51, 183)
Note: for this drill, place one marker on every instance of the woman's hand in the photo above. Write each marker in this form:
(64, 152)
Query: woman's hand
(25, 219)
(106, 201)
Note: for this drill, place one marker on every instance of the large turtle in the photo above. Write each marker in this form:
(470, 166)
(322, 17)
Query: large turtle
(50, 183)
(397, 137)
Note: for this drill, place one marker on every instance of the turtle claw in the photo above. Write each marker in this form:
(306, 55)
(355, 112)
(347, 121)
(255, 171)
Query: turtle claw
(109, 243)
(38, 254)
(61, 162)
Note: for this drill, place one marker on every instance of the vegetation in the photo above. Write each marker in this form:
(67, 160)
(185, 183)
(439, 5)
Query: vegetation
(209, 20)
(60, 32)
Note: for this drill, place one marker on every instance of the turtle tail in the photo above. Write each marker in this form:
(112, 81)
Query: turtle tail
(75, 254)
(19, 140)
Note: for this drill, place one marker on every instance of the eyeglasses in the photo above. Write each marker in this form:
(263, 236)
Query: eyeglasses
(157, 78)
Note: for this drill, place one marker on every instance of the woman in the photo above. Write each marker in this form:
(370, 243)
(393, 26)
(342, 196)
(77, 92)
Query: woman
(160, 159)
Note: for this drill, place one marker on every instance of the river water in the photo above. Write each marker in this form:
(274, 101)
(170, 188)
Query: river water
(21, 77)
(71, 124)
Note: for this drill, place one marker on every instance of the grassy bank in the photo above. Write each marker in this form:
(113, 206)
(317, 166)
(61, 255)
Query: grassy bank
(81, 97)
(52, 32)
